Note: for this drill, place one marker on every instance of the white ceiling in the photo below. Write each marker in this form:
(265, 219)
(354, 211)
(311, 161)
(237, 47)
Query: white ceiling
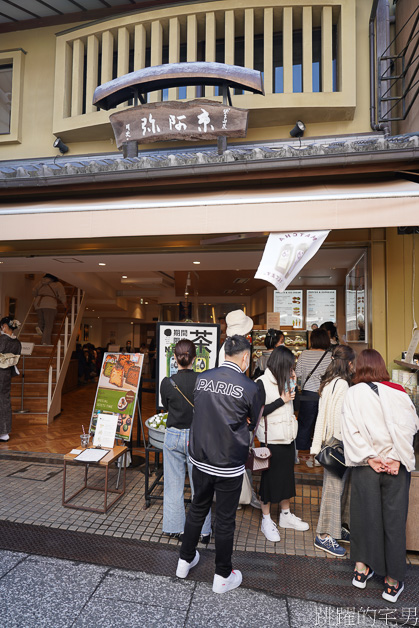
(149, 276)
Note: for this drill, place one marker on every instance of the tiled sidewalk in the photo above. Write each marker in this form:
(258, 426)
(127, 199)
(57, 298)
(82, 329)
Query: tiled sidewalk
(31, 493)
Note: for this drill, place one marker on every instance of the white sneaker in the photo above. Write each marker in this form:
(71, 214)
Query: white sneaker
(291, 521)
(183, 567)
(270, 530)
(222, 585)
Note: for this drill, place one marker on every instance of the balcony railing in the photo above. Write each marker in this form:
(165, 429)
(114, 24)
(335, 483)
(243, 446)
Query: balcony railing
(305, 54)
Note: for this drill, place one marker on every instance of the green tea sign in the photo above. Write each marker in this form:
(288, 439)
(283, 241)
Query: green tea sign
(205, 336)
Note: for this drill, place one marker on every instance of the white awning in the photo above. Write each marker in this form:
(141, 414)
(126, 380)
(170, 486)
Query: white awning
(350, 206)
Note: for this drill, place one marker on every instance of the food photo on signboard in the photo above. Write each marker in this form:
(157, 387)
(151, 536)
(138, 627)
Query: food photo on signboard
(117, 390)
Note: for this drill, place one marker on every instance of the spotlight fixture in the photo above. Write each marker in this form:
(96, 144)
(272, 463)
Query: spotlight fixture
(102, 264)
(196, 262)
(298, 130)
(63, 148)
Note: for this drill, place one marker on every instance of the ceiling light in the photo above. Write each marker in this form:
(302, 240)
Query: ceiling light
(186, 294)
(146, 303)
(124, 277)
(102, 264)
(132, 323)
(1, 262)
(196, 262)
(315, 277)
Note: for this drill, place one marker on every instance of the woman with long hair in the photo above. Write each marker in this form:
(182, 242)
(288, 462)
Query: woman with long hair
(334, 507)
(311, 365)
(379, 422)
(8, 344)
(274, 338)
(277, 483)
(177, 398)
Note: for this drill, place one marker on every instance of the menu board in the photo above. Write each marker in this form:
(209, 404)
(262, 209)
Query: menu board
(117, 390)
(205, 337)
(290, 306)
(321, 307)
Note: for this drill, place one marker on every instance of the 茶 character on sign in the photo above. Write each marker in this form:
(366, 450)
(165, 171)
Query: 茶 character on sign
(204, 120)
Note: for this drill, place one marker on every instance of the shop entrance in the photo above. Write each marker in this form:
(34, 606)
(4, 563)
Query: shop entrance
(128, 289)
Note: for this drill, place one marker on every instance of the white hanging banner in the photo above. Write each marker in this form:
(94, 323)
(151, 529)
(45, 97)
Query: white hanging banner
(286, 254)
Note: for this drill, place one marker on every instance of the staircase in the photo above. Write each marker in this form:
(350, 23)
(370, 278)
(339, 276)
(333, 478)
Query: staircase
(46, 368)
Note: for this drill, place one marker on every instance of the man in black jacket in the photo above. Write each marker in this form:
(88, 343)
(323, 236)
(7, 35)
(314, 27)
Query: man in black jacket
(227, 405)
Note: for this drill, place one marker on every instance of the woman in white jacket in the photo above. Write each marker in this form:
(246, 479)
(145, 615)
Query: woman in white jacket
(379, 422)
(334, 507)
(277, 483)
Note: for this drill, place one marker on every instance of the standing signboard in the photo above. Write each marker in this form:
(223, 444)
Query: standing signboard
(205, 336)
(117, 390)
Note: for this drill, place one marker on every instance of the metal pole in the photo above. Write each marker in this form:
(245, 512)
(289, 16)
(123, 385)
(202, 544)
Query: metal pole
(22, 411)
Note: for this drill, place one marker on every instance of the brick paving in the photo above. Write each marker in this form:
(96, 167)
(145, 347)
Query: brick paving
(31, 493)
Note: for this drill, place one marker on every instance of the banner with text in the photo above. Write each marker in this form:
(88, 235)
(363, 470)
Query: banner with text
(286, 254)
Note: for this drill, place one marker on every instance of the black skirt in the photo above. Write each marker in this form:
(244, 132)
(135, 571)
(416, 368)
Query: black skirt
(278, 483)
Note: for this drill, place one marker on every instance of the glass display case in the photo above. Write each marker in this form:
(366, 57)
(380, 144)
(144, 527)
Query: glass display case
(295, 340)
(356, 302)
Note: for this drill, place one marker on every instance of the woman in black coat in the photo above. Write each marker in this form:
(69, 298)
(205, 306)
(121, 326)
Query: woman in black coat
(8, 344)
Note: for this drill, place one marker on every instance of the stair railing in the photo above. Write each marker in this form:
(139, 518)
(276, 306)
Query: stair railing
(59, 350)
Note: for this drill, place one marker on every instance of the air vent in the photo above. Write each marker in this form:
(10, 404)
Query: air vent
(68, 260)
(241, 280)
(229, 292)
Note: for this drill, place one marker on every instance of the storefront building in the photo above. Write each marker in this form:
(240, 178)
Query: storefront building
(333, 65)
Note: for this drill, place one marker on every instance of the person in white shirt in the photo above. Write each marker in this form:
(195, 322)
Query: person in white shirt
(379, 422)
(333, 523)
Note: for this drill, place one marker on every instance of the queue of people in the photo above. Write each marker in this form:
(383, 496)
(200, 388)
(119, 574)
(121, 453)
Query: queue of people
(354, 405)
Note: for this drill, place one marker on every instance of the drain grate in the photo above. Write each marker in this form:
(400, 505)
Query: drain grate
(36, 472)
(316, 579)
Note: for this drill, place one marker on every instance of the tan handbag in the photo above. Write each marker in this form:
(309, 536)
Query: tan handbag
(259, 457)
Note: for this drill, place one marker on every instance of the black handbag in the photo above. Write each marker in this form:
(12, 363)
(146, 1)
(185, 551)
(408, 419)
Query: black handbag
(332, 458)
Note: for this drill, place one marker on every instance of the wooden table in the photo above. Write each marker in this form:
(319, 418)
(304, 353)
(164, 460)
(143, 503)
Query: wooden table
(113, 455)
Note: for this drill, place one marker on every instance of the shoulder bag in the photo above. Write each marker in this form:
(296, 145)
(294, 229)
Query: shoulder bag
(176, 387)
(313, 369)
(259, 457)
(332, 457)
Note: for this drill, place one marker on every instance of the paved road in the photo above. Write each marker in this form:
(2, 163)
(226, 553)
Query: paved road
(41, 592)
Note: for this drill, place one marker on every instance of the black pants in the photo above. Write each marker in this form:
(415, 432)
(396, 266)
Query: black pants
(307, 415)
(227, 491)
(379, 504)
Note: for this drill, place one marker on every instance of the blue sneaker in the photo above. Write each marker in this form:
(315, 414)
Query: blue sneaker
(345, 535)
(330, 546)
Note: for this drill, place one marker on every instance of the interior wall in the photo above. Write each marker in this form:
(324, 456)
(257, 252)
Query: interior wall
(401, 295)
(18, 286)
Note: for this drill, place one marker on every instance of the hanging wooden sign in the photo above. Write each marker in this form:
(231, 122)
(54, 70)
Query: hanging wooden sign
(199, 119)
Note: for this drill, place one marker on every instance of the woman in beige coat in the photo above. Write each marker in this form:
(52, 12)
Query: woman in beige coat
(334, 507)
